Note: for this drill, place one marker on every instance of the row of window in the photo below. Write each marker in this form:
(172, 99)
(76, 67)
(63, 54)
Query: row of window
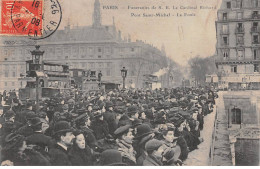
(240, 54)
(75, 51)
(240, 39)
(255, 15)
(8, 84)
(241, 3)
(234, 68)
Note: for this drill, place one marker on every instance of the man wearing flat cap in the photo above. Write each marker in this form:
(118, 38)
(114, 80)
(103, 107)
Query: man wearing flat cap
(124, 141)
(155, 149)
(63, 134)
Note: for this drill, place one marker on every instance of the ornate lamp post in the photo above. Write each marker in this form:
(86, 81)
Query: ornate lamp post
(124, 74)
(37, 58)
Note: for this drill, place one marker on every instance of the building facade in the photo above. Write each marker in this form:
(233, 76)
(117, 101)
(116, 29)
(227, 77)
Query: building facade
(238, 44)
(96, 47)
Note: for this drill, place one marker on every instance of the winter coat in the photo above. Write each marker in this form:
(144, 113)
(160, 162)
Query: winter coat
(110, 118)
(81, 157)
(59, 156)
(151, 161)
(127, 152)
(30, 157)
(100, 128)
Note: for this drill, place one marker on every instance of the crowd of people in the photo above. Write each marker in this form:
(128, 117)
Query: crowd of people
(130, 127)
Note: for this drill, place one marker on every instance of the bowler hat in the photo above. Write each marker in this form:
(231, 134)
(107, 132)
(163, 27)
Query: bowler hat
(121, 130)
(153, 144)
(35, 121)
(12, 140)
(143, 130)
(111, 157)
(62, 126)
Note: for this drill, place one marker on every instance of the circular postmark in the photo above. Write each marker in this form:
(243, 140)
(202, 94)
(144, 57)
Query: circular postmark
(37, 19)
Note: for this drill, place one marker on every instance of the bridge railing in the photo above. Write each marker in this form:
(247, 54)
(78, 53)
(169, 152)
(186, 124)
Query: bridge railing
(212, 148)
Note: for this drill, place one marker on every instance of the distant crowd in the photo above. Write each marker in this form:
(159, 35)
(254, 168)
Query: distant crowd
(130, 127)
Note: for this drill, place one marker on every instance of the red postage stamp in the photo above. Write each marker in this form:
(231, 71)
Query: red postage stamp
(21, 17)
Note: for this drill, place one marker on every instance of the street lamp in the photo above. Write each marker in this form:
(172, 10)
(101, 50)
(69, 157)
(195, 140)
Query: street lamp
(124, 74)
(37, 58)
(99, 78)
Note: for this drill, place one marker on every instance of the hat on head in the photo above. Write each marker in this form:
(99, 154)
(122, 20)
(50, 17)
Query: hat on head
(111, 157)
(143, 130)
(136, 123)
(132, 110)
(12, 140)
(109, 104)
(62, 126)
(35, 121)
(122, 130)
(153, 144)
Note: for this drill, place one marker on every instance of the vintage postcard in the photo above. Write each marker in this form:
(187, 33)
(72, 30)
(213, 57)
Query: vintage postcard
(129, 82)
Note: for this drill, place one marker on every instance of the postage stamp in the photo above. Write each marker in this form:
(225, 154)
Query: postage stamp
(21, 17)
(36, 19)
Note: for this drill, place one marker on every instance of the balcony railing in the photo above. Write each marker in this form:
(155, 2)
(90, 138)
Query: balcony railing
(255, 16)
(255, 29)
(240, 30)
(240, 42)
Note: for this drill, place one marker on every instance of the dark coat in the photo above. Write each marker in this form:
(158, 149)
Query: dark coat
(100, 128)
(79, 157)
(110, 118)
(184, 148)
(41, 140)
(151, 161)
(28, 158)
(59, 156)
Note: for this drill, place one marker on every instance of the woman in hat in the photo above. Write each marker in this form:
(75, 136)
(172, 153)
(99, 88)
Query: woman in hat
(124, 141)
(80, 153)
(83, 123)
(16, 151)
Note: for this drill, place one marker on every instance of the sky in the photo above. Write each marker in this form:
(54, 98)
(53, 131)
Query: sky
(183, 37)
